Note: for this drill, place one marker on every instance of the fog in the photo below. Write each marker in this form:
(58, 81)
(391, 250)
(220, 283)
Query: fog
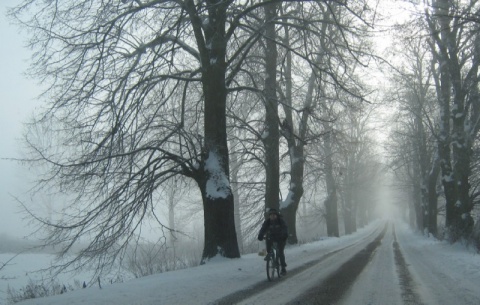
(18, 232)
(17, 104)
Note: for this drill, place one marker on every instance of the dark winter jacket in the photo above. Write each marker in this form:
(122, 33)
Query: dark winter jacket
(276, 230)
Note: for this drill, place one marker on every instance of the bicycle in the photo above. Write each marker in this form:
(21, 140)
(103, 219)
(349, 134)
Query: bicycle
(273, 263)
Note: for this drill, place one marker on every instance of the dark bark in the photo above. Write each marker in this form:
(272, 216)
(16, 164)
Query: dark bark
(295, 143)
(348, 191)
(433, 199)
(423, 162)
(295, 192)
(331, 205)
(454, 85)
(418, 203)
(271, 134)
(220, 235)
(290, 216)
(238, 222)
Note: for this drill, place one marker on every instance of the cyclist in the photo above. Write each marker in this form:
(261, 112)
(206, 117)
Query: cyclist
(276, 229)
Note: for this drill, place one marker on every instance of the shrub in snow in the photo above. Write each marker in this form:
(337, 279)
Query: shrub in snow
(37, 289)
(154, 258)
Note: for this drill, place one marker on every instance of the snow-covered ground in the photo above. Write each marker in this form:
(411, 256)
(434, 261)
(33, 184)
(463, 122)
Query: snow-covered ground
(438, 273)
(443, 273)
(457, 270)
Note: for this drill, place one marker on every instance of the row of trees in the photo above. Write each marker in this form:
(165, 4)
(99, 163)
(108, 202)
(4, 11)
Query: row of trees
(142, 95)
(438, 121)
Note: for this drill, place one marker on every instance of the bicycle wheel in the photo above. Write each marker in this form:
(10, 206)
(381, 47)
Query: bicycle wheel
(271, 268)
(277, 265)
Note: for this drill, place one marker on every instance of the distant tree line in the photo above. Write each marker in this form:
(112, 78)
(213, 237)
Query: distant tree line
(435, 145)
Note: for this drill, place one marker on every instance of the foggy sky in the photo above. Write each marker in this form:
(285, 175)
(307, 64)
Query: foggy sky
(16, 105)
(17, 101)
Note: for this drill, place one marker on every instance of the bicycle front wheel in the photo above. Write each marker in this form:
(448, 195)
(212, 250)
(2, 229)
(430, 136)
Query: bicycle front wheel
(271, 269)
(277, 265)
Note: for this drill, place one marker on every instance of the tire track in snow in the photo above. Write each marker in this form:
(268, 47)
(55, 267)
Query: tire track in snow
(334, 287)
(243, 294)
(407, 284)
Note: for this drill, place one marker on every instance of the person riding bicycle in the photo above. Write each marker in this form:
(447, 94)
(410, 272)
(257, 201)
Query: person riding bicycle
(277, 231)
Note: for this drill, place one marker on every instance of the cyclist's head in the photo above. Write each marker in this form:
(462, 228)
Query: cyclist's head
(272, 213)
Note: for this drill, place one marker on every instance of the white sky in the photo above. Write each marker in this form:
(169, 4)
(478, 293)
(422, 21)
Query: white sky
(442, 274)
(16, 104)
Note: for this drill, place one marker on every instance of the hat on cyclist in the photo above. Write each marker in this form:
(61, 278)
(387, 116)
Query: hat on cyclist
(273, 211)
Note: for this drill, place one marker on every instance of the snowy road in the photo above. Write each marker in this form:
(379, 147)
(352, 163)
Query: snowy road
(405, 273)
(382, 271)
(320, 281)
(382, 264)
(382, 268)
(440, 278)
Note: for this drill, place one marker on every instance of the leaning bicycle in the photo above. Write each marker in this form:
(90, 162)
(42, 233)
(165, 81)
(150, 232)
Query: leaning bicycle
(273, 262)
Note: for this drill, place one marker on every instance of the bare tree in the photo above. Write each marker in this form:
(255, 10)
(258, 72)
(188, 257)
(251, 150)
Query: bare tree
(271, 134)
(137, 95)
(331, 199)
(360, 166)
(455, 48)
(414, 91)
(329, 37)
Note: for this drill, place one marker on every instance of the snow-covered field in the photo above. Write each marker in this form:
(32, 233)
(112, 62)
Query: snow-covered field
(220, 277)
(24, 269)
(18, 271)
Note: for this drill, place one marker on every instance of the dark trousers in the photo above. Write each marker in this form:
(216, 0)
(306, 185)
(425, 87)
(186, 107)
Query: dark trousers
(280, 250)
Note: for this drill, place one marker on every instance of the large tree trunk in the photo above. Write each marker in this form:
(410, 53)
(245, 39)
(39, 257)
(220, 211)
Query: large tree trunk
(433, 198)
(443, 87)
(220, 235)
(331, 200)
(423, 162)
(238, 222)
(444, 149)
(295, 192)
(348, 191)
(296, 151)
(454, 140)
(417, 203)
(271, 134)
(218, 203)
